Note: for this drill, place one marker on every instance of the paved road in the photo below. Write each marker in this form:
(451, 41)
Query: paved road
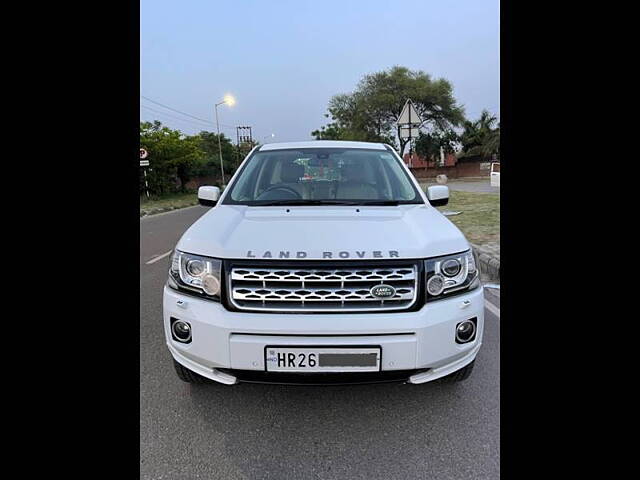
(476, 186)
(275, 432)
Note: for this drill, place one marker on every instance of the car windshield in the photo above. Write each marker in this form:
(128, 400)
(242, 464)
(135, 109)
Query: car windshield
(322, 176)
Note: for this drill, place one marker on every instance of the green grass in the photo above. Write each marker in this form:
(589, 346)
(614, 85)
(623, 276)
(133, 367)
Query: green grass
(480, 217)
(169, 202)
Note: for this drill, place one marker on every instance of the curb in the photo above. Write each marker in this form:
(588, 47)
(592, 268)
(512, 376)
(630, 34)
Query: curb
(157, 210)
(489, 264)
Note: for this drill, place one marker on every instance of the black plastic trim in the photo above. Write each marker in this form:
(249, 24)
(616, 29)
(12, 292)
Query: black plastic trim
(322, 378)
(191, 293)
(475, 332)
(173, 320)
(440, 202)
(339, 335)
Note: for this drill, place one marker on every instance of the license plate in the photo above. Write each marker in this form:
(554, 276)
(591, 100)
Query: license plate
(322, 359)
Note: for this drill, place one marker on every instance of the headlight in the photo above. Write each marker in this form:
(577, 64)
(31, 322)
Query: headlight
(451, 273)
(451, 267)
(195, 273)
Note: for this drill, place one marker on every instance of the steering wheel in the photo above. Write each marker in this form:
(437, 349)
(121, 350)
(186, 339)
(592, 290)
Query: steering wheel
(283, 188)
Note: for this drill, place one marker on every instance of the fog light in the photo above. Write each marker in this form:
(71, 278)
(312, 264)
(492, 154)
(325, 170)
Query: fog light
(465, 331)
(181, 331)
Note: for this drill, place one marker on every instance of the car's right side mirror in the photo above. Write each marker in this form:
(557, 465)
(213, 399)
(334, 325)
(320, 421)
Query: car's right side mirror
(438, 195)
(208, 196)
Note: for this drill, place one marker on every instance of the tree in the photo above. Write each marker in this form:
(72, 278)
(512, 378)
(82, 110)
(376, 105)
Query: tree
(491, 144)
(480, 138)
(371, 112)
(172, 155)
(352, 121)
(187, 168)
(176, 158)
(331, 131)
(428, 144)
(211, 163)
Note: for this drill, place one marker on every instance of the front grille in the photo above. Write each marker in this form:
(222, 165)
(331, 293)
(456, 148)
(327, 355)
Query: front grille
(317, 289)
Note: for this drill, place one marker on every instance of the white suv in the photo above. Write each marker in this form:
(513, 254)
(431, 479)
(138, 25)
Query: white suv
(323, 262)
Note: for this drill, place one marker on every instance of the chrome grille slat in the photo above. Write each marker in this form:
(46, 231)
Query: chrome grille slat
(321, 289)
(323, 275)
(313, 294)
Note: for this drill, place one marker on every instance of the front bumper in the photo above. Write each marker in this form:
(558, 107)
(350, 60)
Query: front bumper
(421, 343)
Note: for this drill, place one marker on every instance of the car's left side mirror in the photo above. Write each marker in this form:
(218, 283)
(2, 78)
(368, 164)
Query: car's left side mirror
(208, 196)
(438, 195)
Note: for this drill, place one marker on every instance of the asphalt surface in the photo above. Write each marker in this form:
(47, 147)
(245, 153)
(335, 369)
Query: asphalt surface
(251, 431)
(475, 186)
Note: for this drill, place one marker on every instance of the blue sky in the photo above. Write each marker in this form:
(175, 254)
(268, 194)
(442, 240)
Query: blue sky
(283, 60)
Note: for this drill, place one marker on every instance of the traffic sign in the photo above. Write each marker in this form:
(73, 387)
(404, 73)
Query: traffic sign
(144, 163)
(409, 115)
(409, 132)
(143, 154)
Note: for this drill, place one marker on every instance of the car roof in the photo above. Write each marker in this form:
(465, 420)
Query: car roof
(322, 144)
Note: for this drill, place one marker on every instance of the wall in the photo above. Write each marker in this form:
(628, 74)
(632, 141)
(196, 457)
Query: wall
(460, 170)
(452, 169)
(194, 183)
(419, 162)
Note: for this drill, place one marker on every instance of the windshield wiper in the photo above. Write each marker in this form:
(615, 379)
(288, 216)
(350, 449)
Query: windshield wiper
(299, 202)
(391, 203)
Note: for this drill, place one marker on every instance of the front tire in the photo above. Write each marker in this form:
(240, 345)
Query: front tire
(187, 375)
(459, 375)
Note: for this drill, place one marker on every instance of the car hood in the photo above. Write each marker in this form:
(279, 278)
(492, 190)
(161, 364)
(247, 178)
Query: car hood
(311, 233)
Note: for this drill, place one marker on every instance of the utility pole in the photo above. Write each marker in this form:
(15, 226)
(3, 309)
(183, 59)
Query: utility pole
(230, 101)
(219, 143)
(410, 145)
(237, 146)
(244, 136)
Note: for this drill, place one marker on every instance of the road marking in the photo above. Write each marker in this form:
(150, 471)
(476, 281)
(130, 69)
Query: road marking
(492, 308)
(159, 257)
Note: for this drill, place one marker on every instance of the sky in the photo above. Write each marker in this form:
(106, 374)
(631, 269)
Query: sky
(284, 59)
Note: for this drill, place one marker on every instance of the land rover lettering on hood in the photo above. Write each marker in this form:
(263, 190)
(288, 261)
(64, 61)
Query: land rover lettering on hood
(340, 254)
(323, 262)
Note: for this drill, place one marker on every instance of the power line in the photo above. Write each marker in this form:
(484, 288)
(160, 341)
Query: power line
(183, 119)
(183, 113)
(171, 116)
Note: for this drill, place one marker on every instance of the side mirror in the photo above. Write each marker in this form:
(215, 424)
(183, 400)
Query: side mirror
(438, 195)
(208, 196)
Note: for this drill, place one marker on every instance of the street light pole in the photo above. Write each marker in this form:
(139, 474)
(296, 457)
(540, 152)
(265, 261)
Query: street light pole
(229, 100)
(219, 142)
